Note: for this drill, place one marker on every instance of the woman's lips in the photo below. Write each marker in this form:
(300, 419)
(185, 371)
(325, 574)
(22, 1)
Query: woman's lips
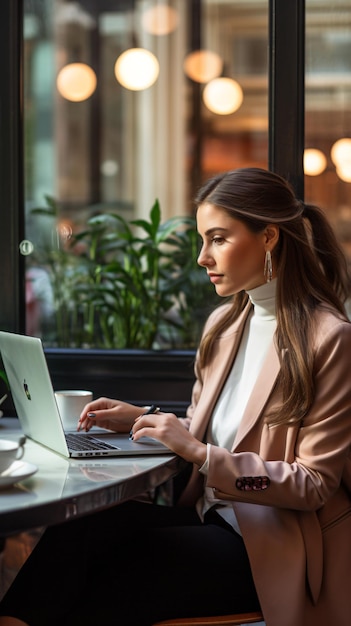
(214, 278)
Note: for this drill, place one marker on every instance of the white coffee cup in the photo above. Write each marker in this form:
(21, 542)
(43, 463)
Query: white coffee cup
(71, 403)
(10, 451)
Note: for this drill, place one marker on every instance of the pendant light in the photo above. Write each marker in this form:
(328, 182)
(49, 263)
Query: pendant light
(76, 82)
(137, 69)
(223, 96)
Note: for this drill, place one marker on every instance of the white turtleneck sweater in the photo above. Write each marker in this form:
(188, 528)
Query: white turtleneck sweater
(257, 337)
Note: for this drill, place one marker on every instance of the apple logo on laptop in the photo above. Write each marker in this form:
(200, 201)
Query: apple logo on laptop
(26, 390)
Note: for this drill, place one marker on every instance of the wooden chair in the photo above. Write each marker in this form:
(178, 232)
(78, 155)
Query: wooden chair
(219, 620)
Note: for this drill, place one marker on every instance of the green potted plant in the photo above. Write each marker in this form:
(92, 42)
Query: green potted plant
(128, 285)
(130, 301)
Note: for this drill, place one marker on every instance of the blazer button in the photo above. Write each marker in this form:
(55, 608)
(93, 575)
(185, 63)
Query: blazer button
(252, 483)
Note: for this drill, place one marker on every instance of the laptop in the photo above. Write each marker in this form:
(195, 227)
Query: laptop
(35, 403)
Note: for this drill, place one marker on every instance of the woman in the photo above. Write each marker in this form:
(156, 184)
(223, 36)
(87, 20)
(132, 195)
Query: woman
(265, 519)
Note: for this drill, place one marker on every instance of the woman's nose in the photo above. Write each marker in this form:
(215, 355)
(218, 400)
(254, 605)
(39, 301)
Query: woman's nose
(203, 259)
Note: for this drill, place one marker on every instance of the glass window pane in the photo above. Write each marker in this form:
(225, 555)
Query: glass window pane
(98, 143)
(328, 112)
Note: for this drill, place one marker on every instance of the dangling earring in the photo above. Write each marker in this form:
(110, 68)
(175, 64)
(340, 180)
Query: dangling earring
(268, 269)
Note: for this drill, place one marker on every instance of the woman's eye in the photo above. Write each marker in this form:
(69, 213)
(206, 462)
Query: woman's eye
(217, 240)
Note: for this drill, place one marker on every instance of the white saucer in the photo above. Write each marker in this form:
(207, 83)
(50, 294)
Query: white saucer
(17, 471)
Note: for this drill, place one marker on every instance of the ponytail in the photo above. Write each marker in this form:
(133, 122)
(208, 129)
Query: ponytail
(328, 251)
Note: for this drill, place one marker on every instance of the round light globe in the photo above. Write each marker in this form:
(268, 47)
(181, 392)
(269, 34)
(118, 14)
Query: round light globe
(223, 96)
(341, 152)
(160, 20)
(314, 162)
(76, 82)
(137, 69)
(203, 65)
(344, 172)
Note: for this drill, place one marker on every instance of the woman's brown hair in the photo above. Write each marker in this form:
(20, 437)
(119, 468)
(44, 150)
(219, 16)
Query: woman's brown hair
(311, 270)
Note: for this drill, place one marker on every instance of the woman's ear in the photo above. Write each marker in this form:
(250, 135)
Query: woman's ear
(271, 233)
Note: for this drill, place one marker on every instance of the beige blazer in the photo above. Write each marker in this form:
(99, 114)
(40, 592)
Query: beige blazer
(289, 485)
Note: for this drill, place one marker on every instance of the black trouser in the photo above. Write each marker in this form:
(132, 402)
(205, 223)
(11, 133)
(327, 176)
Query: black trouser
(132, 565)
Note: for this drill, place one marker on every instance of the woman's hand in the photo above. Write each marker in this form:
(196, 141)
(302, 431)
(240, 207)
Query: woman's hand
(169, 430)
(107, 413)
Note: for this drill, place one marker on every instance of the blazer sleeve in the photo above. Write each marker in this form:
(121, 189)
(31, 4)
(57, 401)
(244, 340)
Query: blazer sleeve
(319, 446)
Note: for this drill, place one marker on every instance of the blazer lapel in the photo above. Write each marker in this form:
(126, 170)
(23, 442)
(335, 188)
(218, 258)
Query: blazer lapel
(216, 375)
(259, 395)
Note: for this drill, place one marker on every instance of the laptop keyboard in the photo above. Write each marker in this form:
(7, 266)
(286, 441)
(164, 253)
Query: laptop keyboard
(87, 442)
